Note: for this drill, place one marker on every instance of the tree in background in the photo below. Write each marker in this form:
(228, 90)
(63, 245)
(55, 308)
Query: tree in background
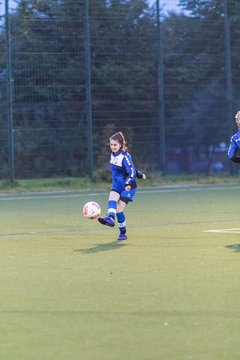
(49, 83)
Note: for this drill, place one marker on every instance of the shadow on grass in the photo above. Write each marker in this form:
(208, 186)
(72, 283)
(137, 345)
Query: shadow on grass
(114, 245)
(234, 247)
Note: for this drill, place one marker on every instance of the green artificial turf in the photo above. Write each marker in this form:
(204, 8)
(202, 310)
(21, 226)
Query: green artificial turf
(69, 290)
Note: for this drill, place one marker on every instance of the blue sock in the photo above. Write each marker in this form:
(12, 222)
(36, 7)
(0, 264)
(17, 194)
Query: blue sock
(112, 208)
(121, 222)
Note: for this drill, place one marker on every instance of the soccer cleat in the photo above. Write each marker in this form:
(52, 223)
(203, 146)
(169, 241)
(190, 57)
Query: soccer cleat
(122, 237)
(107, 221)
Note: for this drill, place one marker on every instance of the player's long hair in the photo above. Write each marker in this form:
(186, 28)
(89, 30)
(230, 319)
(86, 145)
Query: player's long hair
(119, 137)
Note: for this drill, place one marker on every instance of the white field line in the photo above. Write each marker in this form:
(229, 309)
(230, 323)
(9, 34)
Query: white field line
(50, 196)
(69, 193)
(224, 231)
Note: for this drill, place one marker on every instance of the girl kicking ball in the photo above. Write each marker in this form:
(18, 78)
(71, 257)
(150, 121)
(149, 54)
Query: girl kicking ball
(124, 183)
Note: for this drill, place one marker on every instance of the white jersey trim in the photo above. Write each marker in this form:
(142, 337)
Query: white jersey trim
(117, 160)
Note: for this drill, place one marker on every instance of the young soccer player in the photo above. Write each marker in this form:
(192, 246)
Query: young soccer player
(234, 148)
(124, 183)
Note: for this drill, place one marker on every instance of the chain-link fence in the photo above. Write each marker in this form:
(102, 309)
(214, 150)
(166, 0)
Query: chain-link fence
(74, 72)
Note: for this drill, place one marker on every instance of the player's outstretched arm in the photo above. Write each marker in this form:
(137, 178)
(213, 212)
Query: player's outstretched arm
(140, 175)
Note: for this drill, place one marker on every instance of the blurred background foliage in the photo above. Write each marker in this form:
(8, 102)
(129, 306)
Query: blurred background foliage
(48, 54)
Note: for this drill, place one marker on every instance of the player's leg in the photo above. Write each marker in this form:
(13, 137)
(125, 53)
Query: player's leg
(126, 196)
(121, 219)
(112, 209)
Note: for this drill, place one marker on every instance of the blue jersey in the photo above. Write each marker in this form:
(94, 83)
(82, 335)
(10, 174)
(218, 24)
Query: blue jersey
(234, 148)
(123, 171)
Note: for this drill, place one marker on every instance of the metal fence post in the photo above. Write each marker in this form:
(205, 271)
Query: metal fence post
(228, 73)
(9, 96)
(88, 92)
(160, 110)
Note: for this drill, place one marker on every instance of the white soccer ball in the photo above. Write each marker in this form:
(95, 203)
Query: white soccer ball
(91, 210)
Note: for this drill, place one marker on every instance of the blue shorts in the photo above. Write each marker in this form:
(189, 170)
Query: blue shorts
(125, 195)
